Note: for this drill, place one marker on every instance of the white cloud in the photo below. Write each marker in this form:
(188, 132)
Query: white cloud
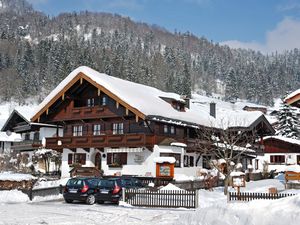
(285, 36)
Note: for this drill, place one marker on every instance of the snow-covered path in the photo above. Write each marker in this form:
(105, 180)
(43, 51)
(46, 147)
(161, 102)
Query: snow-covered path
(60, 213)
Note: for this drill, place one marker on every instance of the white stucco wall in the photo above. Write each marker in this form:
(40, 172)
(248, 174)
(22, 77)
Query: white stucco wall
(49, 132)
(290, 159)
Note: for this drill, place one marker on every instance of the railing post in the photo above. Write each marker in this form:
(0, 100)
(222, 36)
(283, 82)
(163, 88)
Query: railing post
(123, 194)
(196, 198)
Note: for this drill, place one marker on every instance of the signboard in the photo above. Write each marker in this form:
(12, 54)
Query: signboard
(164, 169)
(238, 181)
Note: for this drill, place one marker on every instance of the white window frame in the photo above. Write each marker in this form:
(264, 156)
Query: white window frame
(97, 129)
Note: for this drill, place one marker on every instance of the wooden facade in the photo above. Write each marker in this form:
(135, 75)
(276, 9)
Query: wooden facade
(273, 145)
(83, 107)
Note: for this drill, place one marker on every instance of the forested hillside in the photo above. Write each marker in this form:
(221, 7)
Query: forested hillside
(37, 52)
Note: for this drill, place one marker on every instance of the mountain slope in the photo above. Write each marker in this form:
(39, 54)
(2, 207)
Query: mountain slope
(37, 52)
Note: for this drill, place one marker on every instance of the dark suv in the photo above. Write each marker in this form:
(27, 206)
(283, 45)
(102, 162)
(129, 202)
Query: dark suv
(110, 189)
(81, 189)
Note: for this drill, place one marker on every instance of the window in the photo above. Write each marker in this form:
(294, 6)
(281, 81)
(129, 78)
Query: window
(277, 159)
(27, 137)
(36, 136)
(118, 128)
(91, 102)
(117, 159)
(77, 130)
(178, 160)
(96, 129)
(77, 158)
(191, 161)
(172, 130)
(166, 130)
(186, 161)
(104, 100)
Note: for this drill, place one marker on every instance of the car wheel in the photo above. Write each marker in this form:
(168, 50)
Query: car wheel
(68, 200)
(90, 199)
(100, 202)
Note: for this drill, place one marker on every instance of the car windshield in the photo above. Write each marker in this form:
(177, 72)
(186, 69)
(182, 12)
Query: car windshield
(75, 182)
(106, 183)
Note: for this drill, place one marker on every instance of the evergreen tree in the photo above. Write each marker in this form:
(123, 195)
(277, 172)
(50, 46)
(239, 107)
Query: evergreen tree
(288, 125)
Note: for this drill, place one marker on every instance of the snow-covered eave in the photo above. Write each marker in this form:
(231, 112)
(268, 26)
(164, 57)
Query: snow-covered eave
(284, 139)
(45, 125)
(292, 97)
(172, 121)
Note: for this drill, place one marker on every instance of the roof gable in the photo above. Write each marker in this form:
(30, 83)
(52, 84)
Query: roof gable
(15, 117)
(140, 99)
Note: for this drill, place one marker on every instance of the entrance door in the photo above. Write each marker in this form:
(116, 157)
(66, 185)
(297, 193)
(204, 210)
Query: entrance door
(98, 161)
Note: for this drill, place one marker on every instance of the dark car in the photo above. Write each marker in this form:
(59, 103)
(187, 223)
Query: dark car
(110, 189)
(81, 189)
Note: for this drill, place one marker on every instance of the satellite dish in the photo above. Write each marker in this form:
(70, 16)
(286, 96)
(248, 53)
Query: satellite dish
(8, 132)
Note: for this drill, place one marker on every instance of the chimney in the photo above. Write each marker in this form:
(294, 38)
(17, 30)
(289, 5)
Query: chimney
(212, 109)
(187, 102)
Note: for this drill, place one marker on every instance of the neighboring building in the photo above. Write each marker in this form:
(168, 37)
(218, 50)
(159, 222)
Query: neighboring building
(278, 153)
(6, 141)
(293, 99)
(123, 127)
(253, 108)
(31, 136)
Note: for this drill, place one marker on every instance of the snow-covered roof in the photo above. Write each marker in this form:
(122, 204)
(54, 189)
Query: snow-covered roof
(285, 139)
(291, 95)
(234, 147)
(145, 99)
(12, 137)
(164, 159)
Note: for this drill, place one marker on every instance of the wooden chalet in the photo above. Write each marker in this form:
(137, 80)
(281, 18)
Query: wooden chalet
(123, 127)
(116, 125)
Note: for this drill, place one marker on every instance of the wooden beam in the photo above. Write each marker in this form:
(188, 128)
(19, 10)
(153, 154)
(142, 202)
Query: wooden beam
(117, 105)
(63, 96)
(127, 112)
(47, 111)
(136, 118)
(81, 80)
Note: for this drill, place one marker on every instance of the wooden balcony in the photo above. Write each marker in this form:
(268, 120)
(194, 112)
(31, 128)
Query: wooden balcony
(101, 141)
(84, 113)
(26, 145)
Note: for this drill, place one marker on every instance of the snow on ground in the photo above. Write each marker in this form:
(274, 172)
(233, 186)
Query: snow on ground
(51, 183)
(16, 176)
(213, 209)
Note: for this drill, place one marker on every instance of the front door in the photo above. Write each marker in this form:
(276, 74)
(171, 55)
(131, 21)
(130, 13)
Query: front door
(98, 160)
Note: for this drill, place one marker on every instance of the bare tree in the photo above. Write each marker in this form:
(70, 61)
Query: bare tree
(225, 147)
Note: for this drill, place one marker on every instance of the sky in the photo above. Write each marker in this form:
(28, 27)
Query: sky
(262, 25)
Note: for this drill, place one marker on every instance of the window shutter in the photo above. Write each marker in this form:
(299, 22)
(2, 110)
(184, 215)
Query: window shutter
(108, 159)
(123, 158)
(70, 158)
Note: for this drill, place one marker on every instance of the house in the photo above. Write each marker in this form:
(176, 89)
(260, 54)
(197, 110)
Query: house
(30, 135)
(119, 126)
(278, 153)
(122, 127)
(6, 141)
(255, 108)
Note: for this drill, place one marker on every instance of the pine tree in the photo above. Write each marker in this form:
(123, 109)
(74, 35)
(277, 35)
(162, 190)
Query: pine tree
(288, 125)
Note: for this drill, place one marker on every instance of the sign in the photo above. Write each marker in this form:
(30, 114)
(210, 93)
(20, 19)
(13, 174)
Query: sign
(165, 170)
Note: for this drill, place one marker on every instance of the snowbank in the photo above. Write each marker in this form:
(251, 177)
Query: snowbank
(171, 187)
(16, 176)
(13, 196)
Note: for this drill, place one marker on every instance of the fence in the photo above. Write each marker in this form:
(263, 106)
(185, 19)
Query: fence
(161, 198)
(244, 196)
(42, 192)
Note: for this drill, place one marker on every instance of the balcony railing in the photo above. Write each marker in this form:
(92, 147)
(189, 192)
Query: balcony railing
(101, 141)
(26, 145)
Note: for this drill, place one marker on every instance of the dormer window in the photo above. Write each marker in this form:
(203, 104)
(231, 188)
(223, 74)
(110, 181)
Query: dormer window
(166, 130)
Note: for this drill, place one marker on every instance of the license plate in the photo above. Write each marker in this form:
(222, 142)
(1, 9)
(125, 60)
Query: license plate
(73, 190)
(104, 191)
